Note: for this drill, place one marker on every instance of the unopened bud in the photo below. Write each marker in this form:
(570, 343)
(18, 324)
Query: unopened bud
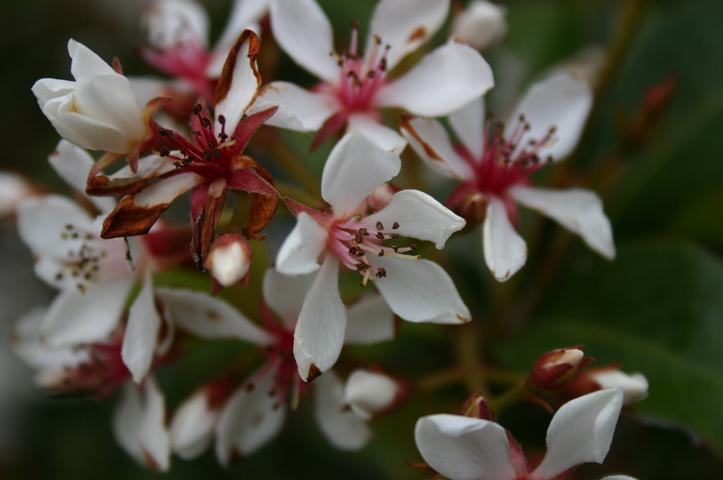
(229, 259)
(634, 386)
(556, 368)
(476, 406)
(194, 423)
(480, 25)
(370, 393)
(13, 189)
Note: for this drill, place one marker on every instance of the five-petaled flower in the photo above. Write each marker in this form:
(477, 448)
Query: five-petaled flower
(369, 243)
(178, 38)
(465, 448)
(494, 163)
(242, 416)
(353, 87)
(212, 163)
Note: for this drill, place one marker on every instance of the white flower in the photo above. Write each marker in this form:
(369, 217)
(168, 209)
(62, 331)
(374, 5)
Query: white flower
(464, 448)
(481, 24)
(178, 38)
(355, 87)
(244, 416)
(494, 164)
(97, 110)
(416, 290)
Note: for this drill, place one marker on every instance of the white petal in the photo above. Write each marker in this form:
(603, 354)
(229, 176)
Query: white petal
(578, 210)
(193, 426)
(319, 333)
(342, 427)
(73, 164)
(139, 425)
(383, 136)
(28, 344)
(430, 141)
(244, 85)
(285, 295)
(581, 431)
(369, 393)
(141, 335)
(355, 168)
(417, 215)
(175, 24)
(635, 386)
(42, 222)
(304, 32)
(250, 419)
(561, 101)
(464, 448)
(299, 254)
(404, 25)
(481, 24)
(85, 63)
(504, 250)
(245, 13)
(209, 317)
(298, 109)
(369, 321)
(14, 188)
(166, 190)
(445, 80)
(468, 124)
(420, 291)
(76, 318)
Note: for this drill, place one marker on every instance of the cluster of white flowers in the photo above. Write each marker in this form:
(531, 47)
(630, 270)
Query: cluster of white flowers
(95, 251)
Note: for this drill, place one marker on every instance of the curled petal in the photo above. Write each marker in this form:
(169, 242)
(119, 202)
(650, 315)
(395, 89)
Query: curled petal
(430, 141)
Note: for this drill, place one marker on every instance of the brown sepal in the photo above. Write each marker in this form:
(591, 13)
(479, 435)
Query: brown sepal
(128, 220)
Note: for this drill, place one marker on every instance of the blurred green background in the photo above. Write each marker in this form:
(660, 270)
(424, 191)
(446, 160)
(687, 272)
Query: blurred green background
(657, 309)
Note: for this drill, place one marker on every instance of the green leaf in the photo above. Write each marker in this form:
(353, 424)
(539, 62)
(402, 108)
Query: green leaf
(657, 309)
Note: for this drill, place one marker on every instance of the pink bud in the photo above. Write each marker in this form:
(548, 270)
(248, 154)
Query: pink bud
(556, 368)
(476, 406)
(229, 259)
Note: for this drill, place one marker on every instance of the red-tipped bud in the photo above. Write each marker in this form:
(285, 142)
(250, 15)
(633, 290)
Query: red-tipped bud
(229, 259)
(556, 368)
(635, 385)
(476, 406)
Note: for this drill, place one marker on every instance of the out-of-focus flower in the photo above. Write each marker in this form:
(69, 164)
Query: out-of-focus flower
(13, 189)
(370, 393)
(178, 38)
(242, 416)
(360, 240)
(354, 87)
(209, 165)
(494, 163)
(481, 25)
(97, 110)
(581, 431)
(634, 385)
(556, 368)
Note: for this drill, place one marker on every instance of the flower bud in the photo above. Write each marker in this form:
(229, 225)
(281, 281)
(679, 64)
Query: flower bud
(634, 386)
(370, 393)
(98, 110)
(13, 189)
(556, 368)
(229, 259)
(476, 406)
(480, 25)
(194, 423)
(175, 23)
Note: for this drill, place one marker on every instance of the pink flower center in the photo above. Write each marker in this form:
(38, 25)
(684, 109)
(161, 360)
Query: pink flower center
(360, 77)
(506, 160)
(354, 241)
